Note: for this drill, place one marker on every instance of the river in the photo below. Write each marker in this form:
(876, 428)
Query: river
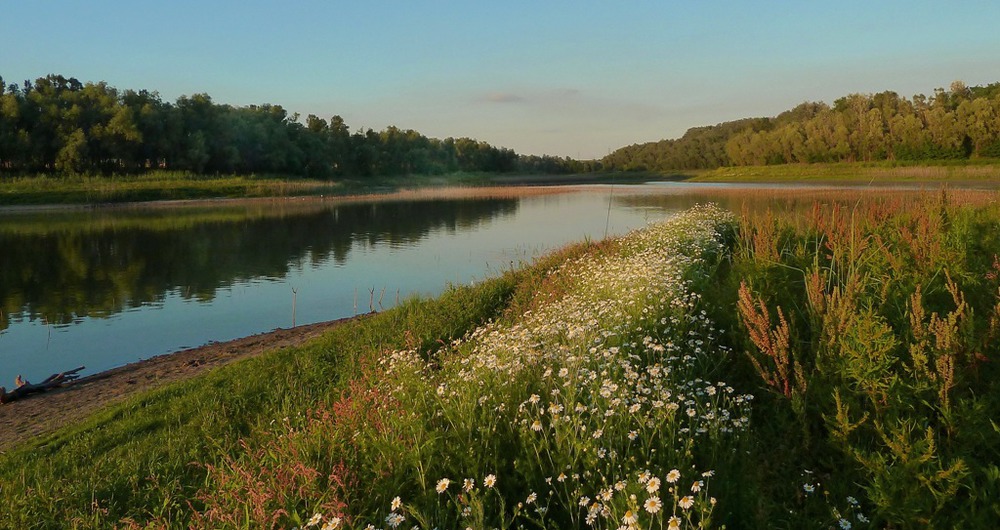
(107, 286)
(103, 287)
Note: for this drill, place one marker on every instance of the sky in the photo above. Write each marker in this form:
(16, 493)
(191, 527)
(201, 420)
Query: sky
(576, 79)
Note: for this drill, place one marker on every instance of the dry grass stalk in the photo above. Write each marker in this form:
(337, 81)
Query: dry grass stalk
(774, 343)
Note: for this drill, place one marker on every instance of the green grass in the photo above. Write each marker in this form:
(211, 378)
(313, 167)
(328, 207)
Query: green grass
(138, 458)
(870, 325)
(145, 459)
(171, 185)
(976, 171)
(154, 186)
(867, 328)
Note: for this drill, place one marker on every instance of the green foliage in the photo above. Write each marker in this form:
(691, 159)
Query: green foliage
(61, 126)
(892, 310)
(145, 459)
(960, 123)
(868, 325)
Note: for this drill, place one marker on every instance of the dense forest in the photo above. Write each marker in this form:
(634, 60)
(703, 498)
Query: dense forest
(58, 125)
(959, 123)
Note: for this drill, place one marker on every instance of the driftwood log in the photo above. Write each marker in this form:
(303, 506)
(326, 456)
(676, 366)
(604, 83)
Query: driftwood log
(25, 388)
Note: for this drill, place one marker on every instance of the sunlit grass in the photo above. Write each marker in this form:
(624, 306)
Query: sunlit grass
(608, 386)
(979, 171)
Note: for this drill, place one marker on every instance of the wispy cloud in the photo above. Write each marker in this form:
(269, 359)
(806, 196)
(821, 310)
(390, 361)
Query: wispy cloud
(532, 97)
(503, 97)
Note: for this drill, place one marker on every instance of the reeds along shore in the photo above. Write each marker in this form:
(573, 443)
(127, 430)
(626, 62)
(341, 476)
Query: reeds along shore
(822, 360)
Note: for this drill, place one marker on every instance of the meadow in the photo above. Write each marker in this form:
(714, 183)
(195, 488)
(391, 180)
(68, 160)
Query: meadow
(824, 360)
(976, 172)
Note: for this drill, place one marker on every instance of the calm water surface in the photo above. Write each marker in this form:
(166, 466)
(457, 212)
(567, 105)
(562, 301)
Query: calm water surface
(106, 287)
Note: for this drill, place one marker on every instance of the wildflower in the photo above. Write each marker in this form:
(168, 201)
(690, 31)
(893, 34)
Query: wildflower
(584, 500)
(653, 504)
(852, 501)
(674, 523)
(534, 399)
(620, 485)
(696, 487)
(862, 518)
(442, 485)
(629, 518)
(673, 476)
(468, 484)
(632, 435)
(653, 485)
(561, 477)
(686, 502)
(844, 524)
(532, 497)
(490, 480)
(332, 523)
(315, 520)
(396, 504)
(809, 488)
(394, 520)
(536, 426)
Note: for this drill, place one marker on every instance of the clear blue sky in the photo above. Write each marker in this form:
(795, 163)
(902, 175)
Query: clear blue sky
(572, 79)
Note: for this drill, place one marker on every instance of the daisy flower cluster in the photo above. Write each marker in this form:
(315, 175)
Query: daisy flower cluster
(595, 409)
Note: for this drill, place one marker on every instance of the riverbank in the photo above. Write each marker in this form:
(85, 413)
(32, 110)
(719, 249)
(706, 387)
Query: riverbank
(177, 187)
(966, 172)
(40, 414)
(172, 187)
(816, 364)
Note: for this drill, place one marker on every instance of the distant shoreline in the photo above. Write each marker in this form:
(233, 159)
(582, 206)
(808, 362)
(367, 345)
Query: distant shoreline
(54, 193)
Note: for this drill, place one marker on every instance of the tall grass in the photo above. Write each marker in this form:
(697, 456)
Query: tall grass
(608, 386)
(872, 323)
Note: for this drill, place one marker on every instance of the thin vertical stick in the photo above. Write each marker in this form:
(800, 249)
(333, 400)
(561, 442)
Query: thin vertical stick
(610, 197)
(380, 298)
(294, 294)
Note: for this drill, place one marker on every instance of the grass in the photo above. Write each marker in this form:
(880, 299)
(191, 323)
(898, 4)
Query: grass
(977, 171)
(823, 362)
(154, 186)
(171, 185)
(869, 323)
(146, 459)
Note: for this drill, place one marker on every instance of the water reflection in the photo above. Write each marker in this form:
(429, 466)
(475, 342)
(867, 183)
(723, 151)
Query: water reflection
(107, 287)
(62, 267)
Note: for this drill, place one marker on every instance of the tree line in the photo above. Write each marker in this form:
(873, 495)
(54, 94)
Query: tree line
(958, 123)
(58, 125)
